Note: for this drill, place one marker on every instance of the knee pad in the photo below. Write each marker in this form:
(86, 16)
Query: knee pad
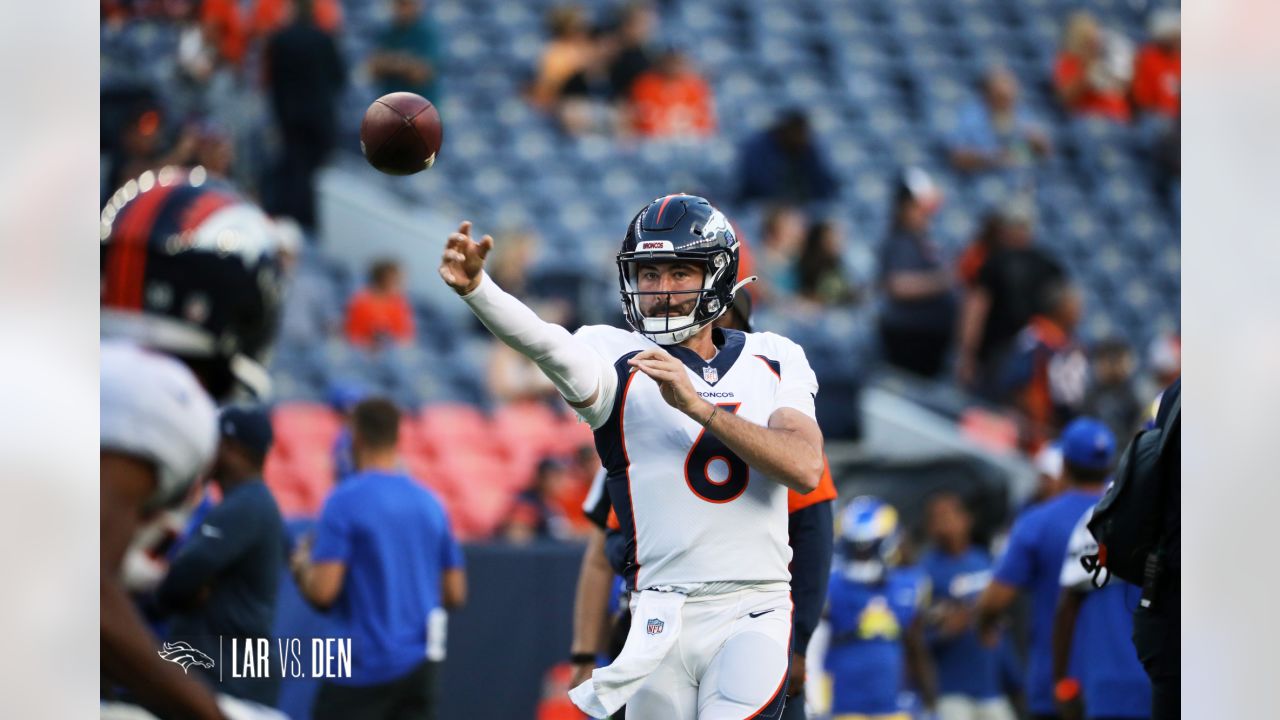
(752, 666)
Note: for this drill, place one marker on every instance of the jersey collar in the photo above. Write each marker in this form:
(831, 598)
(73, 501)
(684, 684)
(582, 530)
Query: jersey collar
(713, 370)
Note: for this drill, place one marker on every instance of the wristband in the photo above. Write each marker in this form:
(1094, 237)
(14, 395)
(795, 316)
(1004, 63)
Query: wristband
(714, 409)
(1066, 690)
(582, 658)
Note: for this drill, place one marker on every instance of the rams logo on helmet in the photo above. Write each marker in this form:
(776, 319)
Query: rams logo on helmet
(185, 655)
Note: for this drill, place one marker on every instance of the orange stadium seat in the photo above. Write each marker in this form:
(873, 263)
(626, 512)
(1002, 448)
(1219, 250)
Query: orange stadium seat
(304, 426)
(528, 426)
(451, 425)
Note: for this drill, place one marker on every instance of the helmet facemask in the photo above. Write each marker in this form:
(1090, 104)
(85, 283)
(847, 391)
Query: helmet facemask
(709, 303)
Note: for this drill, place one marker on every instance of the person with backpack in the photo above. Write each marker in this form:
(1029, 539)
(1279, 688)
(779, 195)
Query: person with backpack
(1032, 561)
(1138, 527)
(1096, 623)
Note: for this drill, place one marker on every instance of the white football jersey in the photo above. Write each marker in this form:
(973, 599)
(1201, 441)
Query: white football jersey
(693, 512)
(153, 407)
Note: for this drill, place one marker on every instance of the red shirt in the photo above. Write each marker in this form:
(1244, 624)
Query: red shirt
(1110, 103)
(371, 317)
(679, 105)
(1157, 81)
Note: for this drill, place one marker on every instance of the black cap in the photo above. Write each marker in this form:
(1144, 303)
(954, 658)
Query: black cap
(248, 425)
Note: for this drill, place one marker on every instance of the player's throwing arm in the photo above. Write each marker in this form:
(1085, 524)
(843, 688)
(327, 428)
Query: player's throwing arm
(576, 371)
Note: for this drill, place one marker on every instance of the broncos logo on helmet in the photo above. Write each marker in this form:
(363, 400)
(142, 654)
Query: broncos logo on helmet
(183, 654)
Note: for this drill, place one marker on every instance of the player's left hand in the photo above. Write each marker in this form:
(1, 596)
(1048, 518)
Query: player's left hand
(795, 679)
(672, 379)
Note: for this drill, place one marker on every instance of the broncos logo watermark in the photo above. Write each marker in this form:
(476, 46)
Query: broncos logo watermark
(185, 655)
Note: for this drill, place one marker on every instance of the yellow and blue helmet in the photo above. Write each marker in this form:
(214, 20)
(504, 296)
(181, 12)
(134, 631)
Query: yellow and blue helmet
(870, 537)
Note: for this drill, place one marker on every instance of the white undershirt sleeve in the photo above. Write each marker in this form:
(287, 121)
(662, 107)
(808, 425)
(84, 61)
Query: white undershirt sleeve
(573, 367)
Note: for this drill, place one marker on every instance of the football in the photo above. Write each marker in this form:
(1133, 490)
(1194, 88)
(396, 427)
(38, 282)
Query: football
(401, 133)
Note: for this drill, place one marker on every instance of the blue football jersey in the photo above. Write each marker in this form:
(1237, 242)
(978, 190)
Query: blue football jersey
(869, 622)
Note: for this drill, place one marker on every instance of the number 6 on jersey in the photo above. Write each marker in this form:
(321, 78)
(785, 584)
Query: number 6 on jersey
(717, 482)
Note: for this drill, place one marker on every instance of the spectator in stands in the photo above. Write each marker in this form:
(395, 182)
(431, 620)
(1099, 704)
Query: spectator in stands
(1032, 560)
(305, 77)
(144, 143)
(782, 238)
(918, 317)
(407, 53)
(380, 314)
(268, 16)
(1047, 373)
(975, 254)
(672, 100)
(1157, 74)
(538, 513)
(210, 42)
(223, 580)
(634, 53)
(820, 268)
(384, 562)
(1087, 81)
(783, 163)
(511, 259)
(1006, 291)
(969, 673)
(997, 132)
(569, 52)
(587, 99)
(1113, 395)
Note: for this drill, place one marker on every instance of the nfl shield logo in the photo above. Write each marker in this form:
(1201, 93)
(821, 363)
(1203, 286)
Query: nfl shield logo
(710, 374)
(654, 626)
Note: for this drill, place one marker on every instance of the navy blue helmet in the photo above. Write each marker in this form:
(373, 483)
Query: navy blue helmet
(686, 228)
(191, 268)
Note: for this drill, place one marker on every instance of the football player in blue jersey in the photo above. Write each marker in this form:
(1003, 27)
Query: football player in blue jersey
(970, 674)
(1032, 561)
(875, 607)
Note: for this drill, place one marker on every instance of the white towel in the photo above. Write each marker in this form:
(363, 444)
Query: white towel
(655, 627)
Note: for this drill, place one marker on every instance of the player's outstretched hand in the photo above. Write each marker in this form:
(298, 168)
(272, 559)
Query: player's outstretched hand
(463, 259)
(672, 379)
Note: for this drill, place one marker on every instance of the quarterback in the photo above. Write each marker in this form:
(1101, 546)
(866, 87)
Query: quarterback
(701, 431)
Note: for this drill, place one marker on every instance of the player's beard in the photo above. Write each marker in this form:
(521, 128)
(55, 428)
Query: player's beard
(665, 306)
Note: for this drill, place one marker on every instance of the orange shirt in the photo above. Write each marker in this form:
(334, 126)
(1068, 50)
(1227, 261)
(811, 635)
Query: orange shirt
(1157, 81)
(372, 316)
(1110, 103)
(268, 15)
(679, 105)
(222, 19)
